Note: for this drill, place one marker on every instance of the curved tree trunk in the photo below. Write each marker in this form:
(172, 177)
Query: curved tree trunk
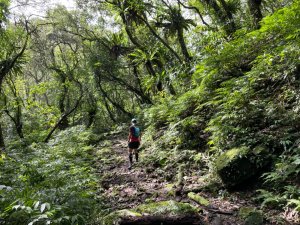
(159, 38)
(63, 117)
(17, 121)
(115, 104)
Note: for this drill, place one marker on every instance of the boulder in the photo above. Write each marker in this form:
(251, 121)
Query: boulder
(166, 212)
(251, 216)
(240, 164)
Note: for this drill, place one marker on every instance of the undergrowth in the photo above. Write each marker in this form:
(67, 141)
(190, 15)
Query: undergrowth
(50, 183)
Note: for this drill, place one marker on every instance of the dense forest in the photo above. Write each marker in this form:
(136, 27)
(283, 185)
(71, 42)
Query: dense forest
(213, 84)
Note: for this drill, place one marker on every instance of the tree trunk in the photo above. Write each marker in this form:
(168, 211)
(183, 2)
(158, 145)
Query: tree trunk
(63, 117)
(144, 97)
(61, 105)
(224, 18)
(183, 45)
(230, 20)
(159, 38)
(2, 144)
(111, 115)
(19, 123)
(129, 87)
(254, 6)
(115, 104)
(91, 117)
(151, 71)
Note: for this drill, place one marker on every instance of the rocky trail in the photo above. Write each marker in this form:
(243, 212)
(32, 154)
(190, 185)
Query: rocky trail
(126, 188)
(122, 188)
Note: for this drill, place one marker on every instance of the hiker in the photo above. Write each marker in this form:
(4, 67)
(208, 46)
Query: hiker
(134, 140)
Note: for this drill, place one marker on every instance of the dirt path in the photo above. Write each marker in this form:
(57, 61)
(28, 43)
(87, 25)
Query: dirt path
(124, 188)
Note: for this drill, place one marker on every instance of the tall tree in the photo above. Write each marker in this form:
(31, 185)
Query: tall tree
(174, 22)
(13, 41)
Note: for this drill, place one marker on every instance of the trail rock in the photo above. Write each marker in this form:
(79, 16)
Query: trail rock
(167, 212)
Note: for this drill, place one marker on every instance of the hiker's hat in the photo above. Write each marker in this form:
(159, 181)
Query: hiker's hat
(133, 120)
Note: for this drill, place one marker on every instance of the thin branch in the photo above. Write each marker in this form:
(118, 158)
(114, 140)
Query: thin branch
(196, 9)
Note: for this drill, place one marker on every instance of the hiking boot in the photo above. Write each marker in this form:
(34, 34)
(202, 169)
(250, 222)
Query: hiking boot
(130, 166)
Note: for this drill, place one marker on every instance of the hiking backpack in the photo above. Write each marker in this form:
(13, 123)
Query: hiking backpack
(136, 132)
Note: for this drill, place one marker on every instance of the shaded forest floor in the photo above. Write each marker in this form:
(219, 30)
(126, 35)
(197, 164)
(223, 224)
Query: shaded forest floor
(121, 188)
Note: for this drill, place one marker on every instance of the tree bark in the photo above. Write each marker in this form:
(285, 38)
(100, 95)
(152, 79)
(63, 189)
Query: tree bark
(160, 39)
(63, 117)
(17, 121)
(2, 144)
(111, 115)
(115, 104)
(224, 18)
(62, 96)
(61, 105)
(91, 117)
(255, 10)
(129, 87)
(196, 9)
(5, 67)
(183, 45)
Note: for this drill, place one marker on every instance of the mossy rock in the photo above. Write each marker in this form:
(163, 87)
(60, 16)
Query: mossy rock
(166, 212)
(240, 164)
(255, 218)
(166, 208)
(116, 217)
(251, 216)
(198, 198)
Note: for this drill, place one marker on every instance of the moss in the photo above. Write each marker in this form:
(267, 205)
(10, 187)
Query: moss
(251, 216)
(244, 212)
(118, 215)
(229, 156)
(239, 164)
(255, 218)
(166, 208)
(197, 198)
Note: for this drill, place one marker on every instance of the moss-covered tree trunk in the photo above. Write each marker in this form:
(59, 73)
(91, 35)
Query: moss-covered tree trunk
(254, 6)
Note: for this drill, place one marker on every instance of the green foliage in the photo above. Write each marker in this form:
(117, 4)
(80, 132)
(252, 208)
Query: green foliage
(280, 191)
(3, 10)
(251, 216)
(236, 90)
(55, 183)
